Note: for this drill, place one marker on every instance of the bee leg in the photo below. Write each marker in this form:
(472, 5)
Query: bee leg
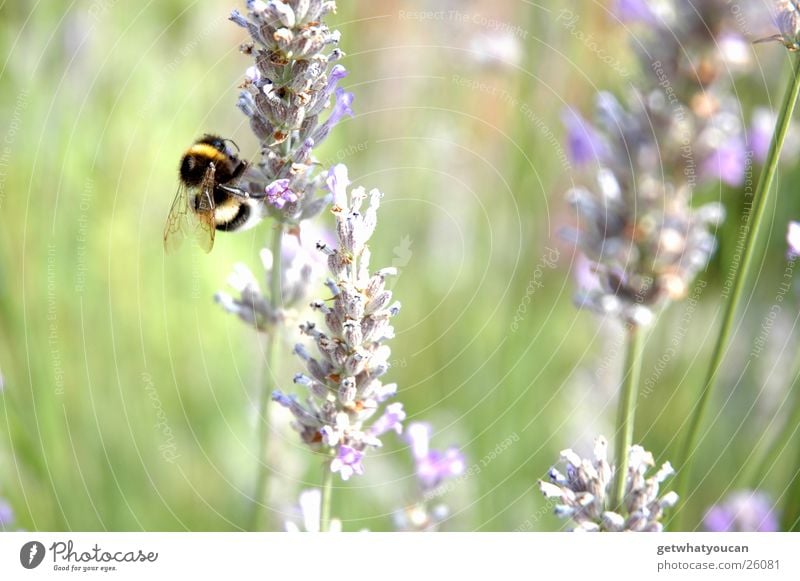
(245, 194)
(235, 191)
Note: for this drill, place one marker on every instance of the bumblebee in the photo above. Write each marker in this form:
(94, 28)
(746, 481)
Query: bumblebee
(208, 199)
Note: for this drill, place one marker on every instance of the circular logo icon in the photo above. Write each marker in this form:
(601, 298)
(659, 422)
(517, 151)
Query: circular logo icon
(31, 554)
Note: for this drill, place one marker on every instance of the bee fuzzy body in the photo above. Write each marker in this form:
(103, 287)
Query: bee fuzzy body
(208, 195)
(205, 151)
(231, 212)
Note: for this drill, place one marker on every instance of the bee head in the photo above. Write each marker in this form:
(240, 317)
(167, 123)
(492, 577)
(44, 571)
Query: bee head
(226, 146)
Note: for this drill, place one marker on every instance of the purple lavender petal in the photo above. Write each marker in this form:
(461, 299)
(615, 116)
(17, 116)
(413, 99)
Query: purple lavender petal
(745, 511)
(727, 163)
(418, 436)
(391, 419)
(769, 524)
(718, 520)
(455, 463)
(341, 107)
(633, 11)
(437, 467)
(338, 182)
(584, 143)
(279, 194)
(6, 514)
(282, 399)
(585, 276)
(237, 18)
(304, 151)
(338, 72)
(347, 462)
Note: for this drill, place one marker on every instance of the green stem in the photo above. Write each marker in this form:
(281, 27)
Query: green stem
(755, 224)
(327, 492)
(791, 509)
(626, 413)
(260, 492)
(275, 291)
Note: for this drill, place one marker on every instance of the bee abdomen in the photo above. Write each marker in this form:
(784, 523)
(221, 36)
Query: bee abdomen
(239, 214)
(229, 219)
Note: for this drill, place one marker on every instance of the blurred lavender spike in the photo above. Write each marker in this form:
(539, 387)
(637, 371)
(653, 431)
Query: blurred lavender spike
(679, 130)
(726, 162)
(744, 511)
(584, 143)
(6, 515)
(793, 239)
(300, 269)
(433, 468)
(633, 11)
(309, 508)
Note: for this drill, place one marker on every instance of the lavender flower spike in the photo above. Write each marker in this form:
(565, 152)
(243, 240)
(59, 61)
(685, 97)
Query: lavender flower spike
(584, 492)
(250, 304)
(433, 468)
(310, 509)
(745, 511)
(286, 96)
(344, 385)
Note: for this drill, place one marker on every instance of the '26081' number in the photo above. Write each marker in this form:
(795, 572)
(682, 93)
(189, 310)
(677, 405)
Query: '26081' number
(751, 564)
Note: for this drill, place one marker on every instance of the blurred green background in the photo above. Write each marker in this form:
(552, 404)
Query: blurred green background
(129, 397)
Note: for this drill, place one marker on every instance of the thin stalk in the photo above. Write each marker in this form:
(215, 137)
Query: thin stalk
(790, 522)
(755, 223)
(791, 508)
(327, 493)
(260, 492)
(626, 413)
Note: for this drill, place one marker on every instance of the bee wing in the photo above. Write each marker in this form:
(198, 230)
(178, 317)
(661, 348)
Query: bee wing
(177, 221)
(205, 227)
(192, 214)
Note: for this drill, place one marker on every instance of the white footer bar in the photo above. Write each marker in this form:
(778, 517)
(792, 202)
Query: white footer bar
(401, 556)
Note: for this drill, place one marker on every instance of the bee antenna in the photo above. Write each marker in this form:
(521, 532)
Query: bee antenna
(234, 144)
